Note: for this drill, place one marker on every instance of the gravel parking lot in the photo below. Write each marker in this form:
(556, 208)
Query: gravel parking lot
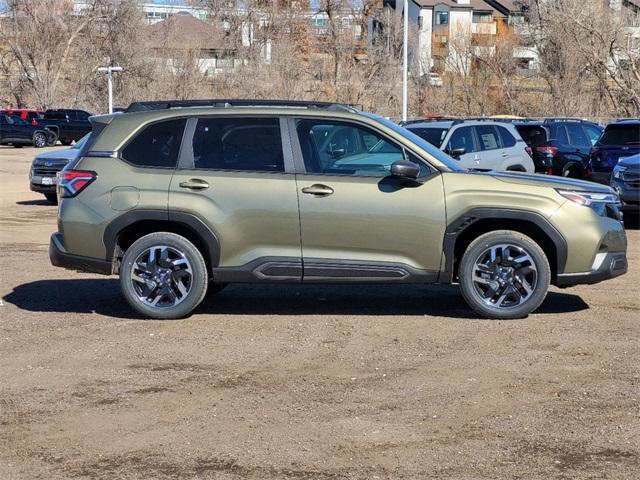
(290, 382)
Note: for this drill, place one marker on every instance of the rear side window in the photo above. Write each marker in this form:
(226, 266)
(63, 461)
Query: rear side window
(157, 145)
(508, 140)
(249, 144)
(621, 135)
(577, 135)
(488, 136)
(533, 135)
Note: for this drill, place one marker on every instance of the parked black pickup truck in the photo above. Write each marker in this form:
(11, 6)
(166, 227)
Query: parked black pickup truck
(70, 125)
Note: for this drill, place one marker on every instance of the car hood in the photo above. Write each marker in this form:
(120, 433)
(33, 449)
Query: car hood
(633, 161)
(57, 156)
(548, 181)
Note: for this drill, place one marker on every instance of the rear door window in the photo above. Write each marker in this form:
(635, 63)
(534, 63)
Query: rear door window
(245, 144)
(488, 136)
(157, 145)
(577, 136)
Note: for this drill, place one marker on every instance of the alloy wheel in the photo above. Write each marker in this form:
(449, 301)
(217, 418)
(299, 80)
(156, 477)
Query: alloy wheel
(161, 276)
(504, 276)
(39, 140)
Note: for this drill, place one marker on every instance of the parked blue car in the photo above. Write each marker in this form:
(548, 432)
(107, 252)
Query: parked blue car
(626, 181)
(619, 139)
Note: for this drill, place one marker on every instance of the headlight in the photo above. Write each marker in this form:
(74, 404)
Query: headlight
(618, 172)
(604, 204)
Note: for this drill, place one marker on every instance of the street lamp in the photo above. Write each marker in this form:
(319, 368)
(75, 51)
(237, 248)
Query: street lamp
(109, 71)
(405, 62)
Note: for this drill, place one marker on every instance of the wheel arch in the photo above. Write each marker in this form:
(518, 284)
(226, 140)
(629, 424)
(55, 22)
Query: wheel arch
(473, 223)
(128, 227)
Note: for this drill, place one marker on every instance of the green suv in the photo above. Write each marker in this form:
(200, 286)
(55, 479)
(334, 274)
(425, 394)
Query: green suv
(181, 197)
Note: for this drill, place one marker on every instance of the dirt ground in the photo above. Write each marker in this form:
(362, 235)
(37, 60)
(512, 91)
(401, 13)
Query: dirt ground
(316, 383)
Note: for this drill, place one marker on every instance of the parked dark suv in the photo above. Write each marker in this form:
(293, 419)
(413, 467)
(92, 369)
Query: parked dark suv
(560, 146)
(70, 125)
(619, 140)
(15, 131)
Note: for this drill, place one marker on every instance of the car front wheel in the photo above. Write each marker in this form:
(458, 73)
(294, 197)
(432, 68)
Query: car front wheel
(163, 276)
(504, 274)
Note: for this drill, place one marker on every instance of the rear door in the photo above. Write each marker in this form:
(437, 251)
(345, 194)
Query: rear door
(579, 140)
(235, 177)
(492, 155)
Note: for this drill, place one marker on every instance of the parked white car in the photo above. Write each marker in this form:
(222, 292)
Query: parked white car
(479, 144)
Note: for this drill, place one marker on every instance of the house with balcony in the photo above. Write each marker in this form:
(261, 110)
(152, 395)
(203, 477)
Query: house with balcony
(451, 32)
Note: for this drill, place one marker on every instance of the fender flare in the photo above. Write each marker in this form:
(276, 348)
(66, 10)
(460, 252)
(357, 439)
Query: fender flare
(470, 217)
(189, 220)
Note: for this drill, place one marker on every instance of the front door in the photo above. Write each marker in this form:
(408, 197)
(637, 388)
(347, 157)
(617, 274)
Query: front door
(357, 222)
(464, 138)
(232, 176)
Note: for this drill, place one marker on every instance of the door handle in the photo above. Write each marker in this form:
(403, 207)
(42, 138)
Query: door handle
(505, 154)
(194, 184)
(318, 190)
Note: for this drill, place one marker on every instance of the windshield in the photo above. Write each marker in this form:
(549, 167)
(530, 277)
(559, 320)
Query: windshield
(621, 135)
(423, 144)
(434, 136)
(80, 143)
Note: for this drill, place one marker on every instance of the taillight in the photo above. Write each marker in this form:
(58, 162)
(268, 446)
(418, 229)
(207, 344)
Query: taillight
(529, 151)
(72, 182)
(547, 150)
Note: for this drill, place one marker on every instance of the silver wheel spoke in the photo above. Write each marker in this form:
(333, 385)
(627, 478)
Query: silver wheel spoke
(504, 276)
(161, 276)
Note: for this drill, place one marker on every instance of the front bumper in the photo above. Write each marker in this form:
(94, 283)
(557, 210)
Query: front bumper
(38, 187)
(605, 266)
(61, 258)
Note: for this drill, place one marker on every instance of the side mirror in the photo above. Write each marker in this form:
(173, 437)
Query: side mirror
(456, 152)
(405, 169)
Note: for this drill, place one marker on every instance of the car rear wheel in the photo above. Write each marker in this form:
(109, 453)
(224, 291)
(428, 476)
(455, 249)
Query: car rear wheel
(39, 140)
(504, 274)
(51, 197)
(163, 276)
(66, 143)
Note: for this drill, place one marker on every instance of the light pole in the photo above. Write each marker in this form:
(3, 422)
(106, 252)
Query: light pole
(109, 71)
(405, 61)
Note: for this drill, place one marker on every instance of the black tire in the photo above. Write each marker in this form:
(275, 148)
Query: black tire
(573, 170)
(52, 198)
(39, 140)
(134, 290)
(504, 276)
(66, 143)
(17, 145)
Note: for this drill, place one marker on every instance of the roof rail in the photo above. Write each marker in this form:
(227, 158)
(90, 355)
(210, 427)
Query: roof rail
(563, 119)
(427, 120)
(229, 103)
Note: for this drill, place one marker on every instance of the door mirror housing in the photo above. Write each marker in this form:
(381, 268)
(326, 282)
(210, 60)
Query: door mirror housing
(456, 152)
(405, 169)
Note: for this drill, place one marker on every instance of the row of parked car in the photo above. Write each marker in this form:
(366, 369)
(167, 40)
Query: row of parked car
(566, 147)
(25, 127)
